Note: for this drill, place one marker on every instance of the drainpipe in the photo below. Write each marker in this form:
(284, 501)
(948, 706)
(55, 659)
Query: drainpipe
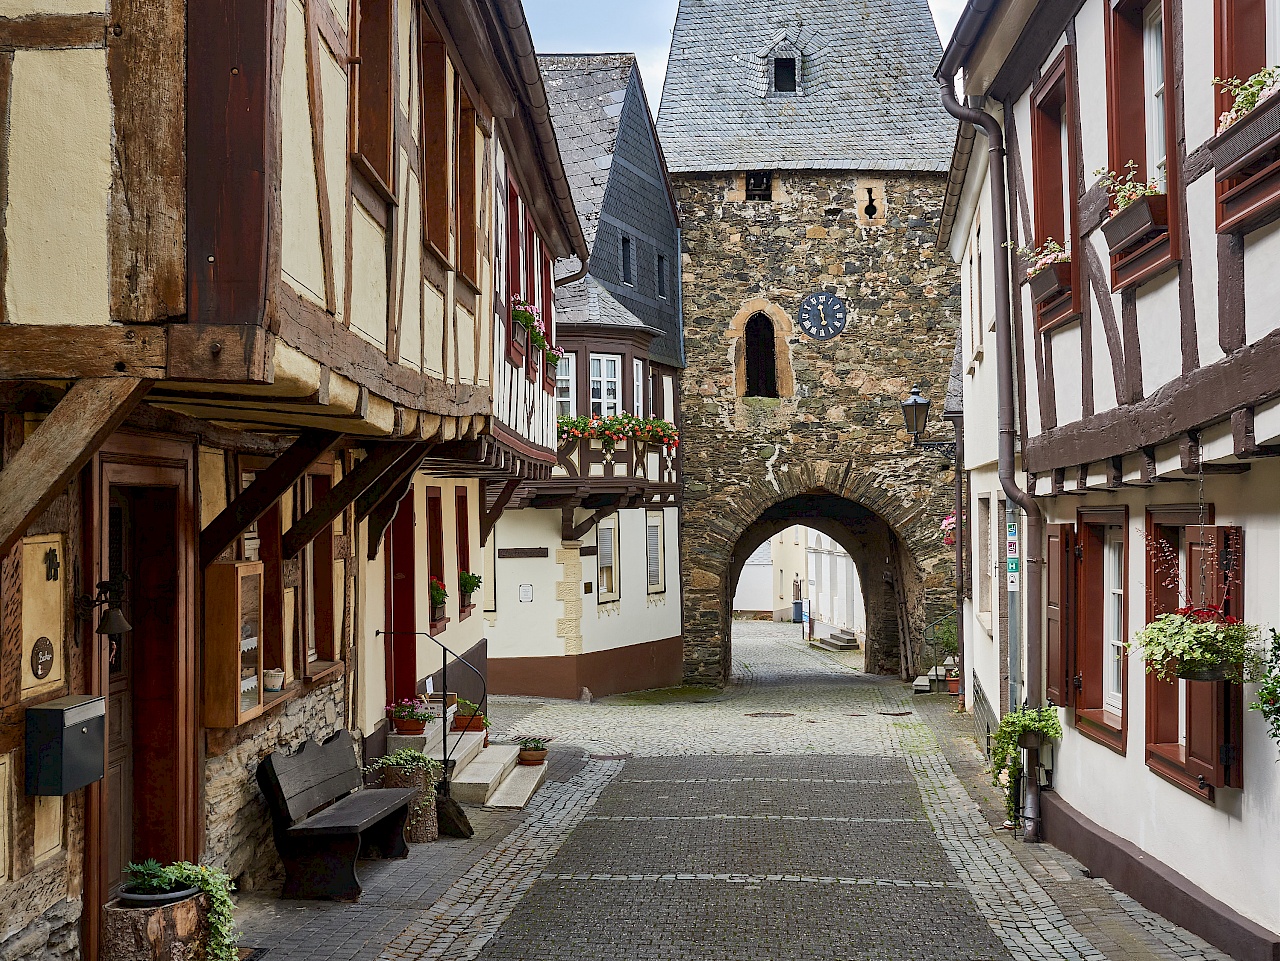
(1007, 431)
(957, 422)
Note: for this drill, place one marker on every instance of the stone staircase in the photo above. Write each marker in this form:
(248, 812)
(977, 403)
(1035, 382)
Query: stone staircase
(839, 641)
(488, 776)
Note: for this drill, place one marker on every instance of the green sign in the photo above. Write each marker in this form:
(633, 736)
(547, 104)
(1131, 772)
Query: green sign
(1014, 565)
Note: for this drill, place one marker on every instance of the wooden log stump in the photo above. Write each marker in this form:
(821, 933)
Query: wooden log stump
(175, 932)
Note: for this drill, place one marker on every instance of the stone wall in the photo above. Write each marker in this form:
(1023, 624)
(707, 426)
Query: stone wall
(237, 825)
(52, 936)
(837, 427)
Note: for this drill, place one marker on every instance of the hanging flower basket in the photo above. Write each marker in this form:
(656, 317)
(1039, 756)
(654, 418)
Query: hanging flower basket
(1199, 644)
(1143, 217)
(1267, 702)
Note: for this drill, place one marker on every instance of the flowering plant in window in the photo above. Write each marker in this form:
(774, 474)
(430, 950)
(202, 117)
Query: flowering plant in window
(1046, 255)
(1247, 94)
(468, 583)
(438, 592)
(949, 530)
(529, 316)
(1126, 189)
(1199, 643)
(609, 430)
(1268, 699)
(554, 355)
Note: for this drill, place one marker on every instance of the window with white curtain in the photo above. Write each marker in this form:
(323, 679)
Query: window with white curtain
(654, 551)
(1273, 32)
(637, 386)
(1113, 619)
(567, 386)
(606, 385)
(607, 586)
(1153, 71)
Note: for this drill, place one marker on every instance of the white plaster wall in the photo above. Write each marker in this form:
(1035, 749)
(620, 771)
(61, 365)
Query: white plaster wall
(755, 583)
(1261, 281)
(371, 686)
(1158, 331)
(1068, 372)
(1092, 76)
(1203, 241)
(368, 278)
(333, 84)
(637, 617)
(1236, 846)
(301, 258)
(981, 634)
(1104, 376)
(59, 173)
(1199, 70)
(527, 630)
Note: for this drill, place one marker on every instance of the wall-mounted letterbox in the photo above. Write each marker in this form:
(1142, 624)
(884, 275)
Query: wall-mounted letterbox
(65, 741)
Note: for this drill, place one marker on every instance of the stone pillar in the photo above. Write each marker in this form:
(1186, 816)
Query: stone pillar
(569, 594)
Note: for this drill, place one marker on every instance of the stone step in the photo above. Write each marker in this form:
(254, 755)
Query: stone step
(431, 742)
(834, 644)
(519, 786)
(476, 782)
(844, 635)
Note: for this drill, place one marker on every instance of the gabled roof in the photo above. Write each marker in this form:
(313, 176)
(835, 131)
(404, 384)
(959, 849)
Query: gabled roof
(586, 93)
(868, 99)
(586, 302)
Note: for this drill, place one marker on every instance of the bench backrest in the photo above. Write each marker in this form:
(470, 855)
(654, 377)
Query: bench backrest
(297, 784)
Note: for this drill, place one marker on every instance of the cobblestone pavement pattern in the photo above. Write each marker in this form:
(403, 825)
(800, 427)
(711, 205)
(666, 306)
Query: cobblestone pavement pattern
(808, 812)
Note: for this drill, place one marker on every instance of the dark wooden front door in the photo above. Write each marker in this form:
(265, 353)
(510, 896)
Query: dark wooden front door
(401, 604)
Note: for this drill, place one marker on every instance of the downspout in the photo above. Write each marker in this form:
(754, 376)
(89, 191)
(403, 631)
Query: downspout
(957, 422)
(1007, 430)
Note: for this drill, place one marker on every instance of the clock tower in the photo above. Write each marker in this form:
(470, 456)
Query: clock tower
(808, 150)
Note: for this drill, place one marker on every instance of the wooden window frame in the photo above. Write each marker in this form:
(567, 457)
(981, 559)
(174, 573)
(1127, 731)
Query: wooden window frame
(468, 208)
(462, 524)
(1052, 105)
(1216, 704)
(517, 336)
(1127, 135)
(1086, 695)
(661, 586)
(321, 586)
(435, 551)
(568, 372)
(372, 95)
(1252, 200)
(548, 316)
(532, 290)
(621, 358)
(615, 595)
(436, 121)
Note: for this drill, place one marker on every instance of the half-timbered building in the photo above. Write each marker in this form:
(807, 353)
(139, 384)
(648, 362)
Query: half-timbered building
(255, 261)
(584, 564)
(1129, 384)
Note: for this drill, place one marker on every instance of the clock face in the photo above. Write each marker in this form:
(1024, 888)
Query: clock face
(823, 315)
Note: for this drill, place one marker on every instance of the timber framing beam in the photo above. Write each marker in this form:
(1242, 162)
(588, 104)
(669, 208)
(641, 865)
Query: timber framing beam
(402, 470)
(62, 444)
(266, 489)
(384, 512)
(145, 417)
(66, 352)
(364, 475)
(489, 517)
(1246, 444)
(571, 532)
(1193, 459)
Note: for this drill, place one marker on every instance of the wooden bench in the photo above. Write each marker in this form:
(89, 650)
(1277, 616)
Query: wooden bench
(319, 848)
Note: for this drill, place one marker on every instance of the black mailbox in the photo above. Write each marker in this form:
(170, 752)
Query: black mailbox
(65, 744)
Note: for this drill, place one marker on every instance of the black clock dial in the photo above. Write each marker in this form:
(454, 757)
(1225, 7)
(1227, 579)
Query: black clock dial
(822, 315)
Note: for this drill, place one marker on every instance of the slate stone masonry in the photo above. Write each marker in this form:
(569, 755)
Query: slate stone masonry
(842, 430)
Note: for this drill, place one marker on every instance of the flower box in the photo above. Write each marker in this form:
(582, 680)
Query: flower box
(1050, 281)
(1143, 218)
(1248, 142)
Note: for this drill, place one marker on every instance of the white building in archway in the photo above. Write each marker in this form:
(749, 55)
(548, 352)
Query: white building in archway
(826, 576)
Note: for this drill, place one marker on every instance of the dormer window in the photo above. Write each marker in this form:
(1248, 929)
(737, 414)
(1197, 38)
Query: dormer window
(784, 75)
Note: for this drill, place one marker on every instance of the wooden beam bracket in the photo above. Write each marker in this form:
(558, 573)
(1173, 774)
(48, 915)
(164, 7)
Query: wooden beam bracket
(569, 532)
(1192, 462)
(489, 517)
(384, 512)
(389, 482)
(266, 489)
(1246, 445)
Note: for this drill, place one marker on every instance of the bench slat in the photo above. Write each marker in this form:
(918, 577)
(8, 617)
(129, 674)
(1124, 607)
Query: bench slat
(314, 775)
(355, 813)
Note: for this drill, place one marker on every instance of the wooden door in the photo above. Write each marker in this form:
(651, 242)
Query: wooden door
(401, 604)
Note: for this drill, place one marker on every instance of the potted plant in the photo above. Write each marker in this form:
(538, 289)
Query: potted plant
(529, 316)
(533, 751)
(273, 680)
(411, 715)
(1025, 728)
(439, 594)
(143, 918)
(1246, 131)
(408, 768)
(1138, 209)
(468, 717)
(1198, 644)
(1267, 701)
(1048, 269)
(619, 427)
(468, 584)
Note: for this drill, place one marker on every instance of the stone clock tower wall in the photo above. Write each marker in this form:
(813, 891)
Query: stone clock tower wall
(830, 451)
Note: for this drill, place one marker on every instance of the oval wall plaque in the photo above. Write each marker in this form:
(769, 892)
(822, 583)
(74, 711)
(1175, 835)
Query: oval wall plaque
(42, 658)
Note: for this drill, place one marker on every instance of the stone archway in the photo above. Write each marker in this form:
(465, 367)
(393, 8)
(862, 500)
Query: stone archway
(783, 331)
(889, 534)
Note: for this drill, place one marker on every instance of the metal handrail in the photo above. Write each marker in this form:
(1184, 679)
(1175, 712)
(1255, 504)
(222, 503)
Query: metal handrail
(929, 637)
(447, 751)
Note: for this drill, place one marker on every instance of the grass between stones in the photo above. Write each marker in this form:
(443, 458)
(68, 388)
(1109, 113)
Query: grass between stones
(686, 694)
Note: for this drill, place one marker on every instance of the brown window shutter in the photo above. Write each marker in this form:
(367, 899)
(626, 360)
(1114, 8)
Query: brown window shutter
(1059, 638)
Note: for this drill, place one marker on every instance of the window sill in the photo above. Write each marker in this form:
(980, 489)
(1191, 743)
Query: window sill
(318, 671)
(441, 257)
(1103, 727)
(471, 283)
(1250, 203)
(984, 619)
(438, 627)
(465, 611)
(1142, 264)
(653, 591)
(1168, 761)
(1057, 313)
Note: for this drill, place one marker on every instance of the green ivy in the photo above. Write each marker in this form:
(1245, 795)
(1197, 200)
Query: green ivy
(1005, 754)
(150, 877)
(410, 760)
(1267, 702)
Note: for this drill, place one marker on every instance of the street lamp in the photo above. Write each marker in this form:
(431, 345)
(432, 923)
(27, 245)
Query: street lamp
(915, 414)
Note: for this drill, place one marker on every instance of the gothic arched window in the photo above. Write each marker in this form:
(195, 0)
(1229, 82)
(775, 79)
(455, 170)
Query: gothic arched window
(761, 360)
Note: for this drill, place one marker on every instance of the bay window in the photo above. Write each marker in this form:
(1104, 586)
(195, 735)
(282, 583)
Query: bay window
(637, 386)
(606, 385)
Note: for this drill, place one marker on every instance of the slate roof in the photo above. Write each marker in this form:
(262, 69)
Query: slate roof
(586, 94)
(868, 99)
(586, 302)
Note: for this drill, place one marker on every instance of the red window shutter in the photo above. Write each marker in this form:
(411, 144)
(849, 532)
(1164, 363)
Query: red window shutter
(1215, 576)
(548, 306)
(515, 257)
(1059, 640)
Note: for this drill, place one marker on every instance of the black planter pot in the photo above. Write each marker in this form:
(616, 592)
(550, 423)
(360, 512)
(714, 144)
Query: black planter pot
(1029, 739)
(1143, 218)
(130, 899)
(1248, 141)
(1218, 672)
(1050, 281)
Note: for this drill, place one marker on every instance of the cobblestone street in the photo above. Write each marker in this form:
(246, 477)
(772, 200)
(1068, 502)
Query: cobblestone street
(808, 812)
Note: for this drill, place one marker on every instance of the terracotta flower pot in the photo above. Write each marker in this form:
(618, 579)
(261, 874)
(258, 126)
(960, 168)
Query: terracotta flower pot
(465, 722)
(408, 725)
(533, 758)
(953, 685)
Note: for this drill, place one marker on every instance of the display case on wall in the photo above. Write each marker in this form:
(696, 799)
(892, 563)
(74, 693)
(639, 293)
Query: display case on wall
(233, 690)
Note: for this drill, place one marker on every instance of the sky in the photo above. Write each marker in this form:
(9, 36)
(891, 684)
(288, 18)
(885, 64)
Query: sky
(642, 27)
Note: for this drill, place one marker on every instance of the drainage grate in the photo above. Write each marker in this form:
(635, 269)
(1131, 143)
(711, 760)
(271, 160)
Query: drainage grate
(610, 757)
